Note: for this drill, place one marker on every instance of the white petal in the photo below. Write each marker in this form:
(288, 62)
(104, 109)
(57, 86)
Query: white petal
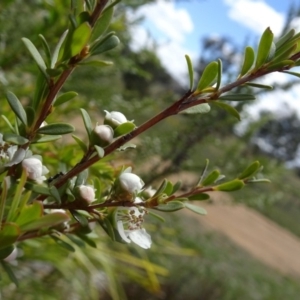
(141, 238)
(17, 157)
(121, 231)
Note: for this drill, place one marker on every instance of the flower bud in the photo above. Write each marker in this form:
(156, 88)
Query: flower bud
(102, 135)
(12, 256)
(85, 193)
(33, 168)
(114, 118)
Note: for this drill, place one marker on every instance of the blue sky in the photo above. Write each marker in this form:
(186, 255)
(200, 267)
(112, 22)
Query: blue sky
(177, 27)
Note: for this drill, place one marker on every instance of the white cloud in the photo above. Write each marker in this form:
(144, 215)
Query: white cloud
(168, 26)
(256, 15)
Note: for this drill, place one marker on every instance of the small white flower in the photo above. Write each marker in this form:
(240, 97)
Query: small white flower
(34, 169)
(131, 183)
(129, 225)
(149, 192)
(102, 135)
(86, 193)
(114, 118)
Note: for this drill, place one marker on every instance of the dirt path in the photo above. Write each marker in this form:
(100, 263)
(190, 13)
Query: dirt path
(262, 238)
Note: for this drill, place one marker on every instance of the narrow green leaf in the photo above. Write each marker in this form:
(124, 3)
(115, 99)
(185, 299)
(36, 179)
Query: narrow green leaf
(260, 86)
(16, 107)
(123, 129)
(285, 38)
(10, 272)
(76, 240)
(96, 63)
(211, 178)
(285, 54)
(168, 189)
(199, 197)
(261, 180)
(250, 170)
(102, 24)
(63, 98)
(230, 186)
(292, 73)
(45, 138)
(278, 66)
(153, 214)
(197, 209)
(55, 194)
(57, 49)
(203, 173)
(30, 114)
(264, 47)
(161, 188)
(37, 188)
(105, 45)
(176, 186)
(29, 213)
(9, 233)
(36, 56)
(80, 38)
(209, 75)
(100, 151)
(170, 206)
(82, 177)
(231, 110)
(237, 97)
(14, 139)
(191, 71)
(87, 121)
(80, 143)
(63, 244)
(219, 77)
(47, 221)
(249, 58)
(11, 127)
(56, 128)
(3, 198)
(46, 49)
(203, 108)
(87, 239)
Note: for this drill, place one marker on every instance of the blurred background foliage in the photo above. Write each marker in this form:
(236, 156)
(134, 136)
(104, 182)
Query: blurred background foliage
(185, 260)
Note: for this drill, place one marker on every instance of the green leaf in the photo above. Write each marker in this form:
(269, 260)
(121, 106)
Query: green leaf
(10, 272)
(211, 178)
(231, 110)
(161, 188)
(96, 63)
(237, 97)
(30, 114)
(63, 244)
(37, 188)
(46, 48)
(14, 139)
(127, 146)
(82, 177)
(203, 173)
(56, 128)
(36, 56)
(264, 48)
(87, 121)
(250, 170)
(176, 186)
(45, 138)
(102, 23)
(57, 49)
(9, 233)
(197, 209)
(170, 206)
(80, 38)
(292, 73)
(11, 127)
(261, 180)
(16, 107)
(285, 38)
(260, 86)
(80, 143)
(55, 194)
(285, 53)
(168, 189)
(49, 220)
(108, 43)
(278, 66)
(53, 72)
(87, 239)
(191, 71)
(199, 197)
(160, 218)
(123, 129)
(100, 151)
(230, 186)
(197, 109)
(29, 213)
(65, 98)
(4, 188)
(249, 58)
(219, 77)
(209, 75)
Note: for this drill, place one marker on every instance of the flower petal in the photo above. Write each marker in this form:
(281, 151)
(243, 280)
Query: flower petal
(121, 232)
(141, 238)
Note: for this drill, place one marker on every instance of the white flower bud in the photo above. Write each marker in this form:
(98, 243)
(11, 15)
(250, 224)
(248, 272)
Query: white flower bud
(86, 193)
(33, 168)
(114, 118)
(102, 135)
(131, 183)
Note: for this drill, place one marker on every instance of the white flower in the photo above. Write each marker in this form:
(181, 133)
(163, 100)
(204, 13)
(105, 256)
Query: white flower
(34, 169)
(129, 225)
(114, 118)
(102, 135)
(86, 193)
(10, 155)
(131, 183)
(149, 192)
